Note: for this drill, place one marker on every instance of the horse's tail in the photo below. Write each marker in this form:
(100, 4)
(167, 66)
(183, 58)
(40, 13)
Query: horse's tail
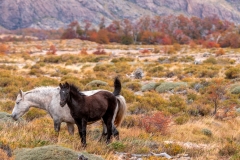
(117, 87)
(122, 108)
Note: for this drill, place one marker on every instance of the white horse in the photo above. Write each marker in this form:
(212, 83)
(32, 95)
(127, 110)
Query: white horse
(48, 98)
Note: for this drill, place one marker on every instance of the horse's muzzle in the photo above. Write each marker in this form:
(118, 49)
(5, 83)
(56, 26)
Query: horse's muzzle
(14, 117)
(62, 103)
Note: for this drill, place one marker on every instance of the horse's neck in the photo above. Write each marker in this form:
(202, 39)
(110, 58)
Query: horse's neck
(75, 98)
(39, 100)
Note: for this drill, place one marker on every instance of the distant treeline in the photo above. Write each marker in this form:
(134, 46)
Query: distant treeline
(165, 30)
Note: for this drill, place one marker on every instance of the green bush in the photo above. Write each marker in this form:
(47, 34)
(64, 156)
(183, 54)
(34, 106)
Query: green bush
(207, 132)
(235, 89)
(117, 146)
(167, 86)
(97, 83)
(5, 117)
(52, 152)
(149, 87)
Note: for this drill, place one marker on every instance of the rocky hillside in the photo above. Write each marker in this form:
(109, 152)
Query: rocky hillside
(16, 14)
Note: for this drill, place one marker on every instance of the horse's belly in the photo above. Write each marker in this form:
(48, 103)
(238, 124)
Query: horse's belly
(93, 119)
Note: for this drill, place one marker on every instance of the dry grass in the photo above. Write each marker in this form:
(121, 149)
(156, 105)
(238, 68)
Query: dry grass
(206, 133)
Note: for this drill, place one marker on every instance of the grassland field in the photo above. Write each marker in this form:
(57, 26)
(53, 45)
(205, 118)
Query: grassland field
(186, 102)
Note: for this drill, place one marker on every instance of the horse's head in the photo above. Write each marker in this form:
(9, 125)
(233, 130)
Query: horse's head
(64, 93)
(20, 107)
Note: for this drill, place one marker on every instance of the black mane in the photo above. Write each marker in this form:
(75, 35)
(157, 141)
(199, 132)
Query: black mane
(75, 89)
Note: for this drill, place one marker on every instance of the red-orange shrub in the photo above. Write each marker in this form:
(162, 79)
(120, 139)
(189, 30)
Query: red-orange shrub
(210, 44)
(220, 52)
(157, 122)
(52, 50)
(100, 50)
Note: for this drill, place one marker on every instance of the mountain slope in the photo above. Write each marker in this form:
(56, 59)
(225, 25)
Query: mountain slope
(57, 13)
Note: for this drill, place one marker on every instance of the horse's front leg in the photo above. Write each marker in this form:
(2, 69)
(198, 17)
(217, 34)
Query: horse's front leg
(70, 127)
(82, 125)
(57, 125)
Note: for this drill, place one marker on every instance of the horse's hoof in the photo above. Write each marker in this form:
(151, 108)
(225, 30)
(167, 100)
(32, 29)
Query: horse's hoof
(84, 145)
(107, 142)
(117, 137)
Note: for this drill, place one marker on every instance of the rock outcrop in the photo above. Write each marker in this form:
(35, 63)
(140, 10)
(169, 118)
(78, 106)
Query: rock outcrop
(16, 14)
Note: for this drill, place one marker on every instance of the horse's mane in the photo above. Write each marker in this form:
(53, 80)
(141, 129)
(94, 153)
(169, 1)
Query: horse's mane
(75, 89)
(42, 89)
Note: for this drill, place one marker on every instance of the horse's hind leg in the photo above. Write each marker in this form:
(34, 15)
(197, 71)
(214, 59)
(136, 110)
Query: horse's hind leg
(115, 132)
(70, 127)
(57, 125)
(108, 122)
(104, 132)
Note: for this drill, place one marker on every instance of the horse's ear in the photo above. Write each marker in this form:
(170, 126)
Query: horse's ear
(21, 92)
(60, 85)
(68, 86)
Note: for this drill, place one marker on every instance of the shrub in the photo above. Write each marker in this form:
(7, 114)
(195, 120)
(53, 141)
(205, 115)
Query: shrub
(220, 52)
(128, 95)
(83, 51)
(230, 148)
(100, 51)
(156, 69)
(135, 86)
(52, 152)
(122, 59)
(52, 50)
(97, 83)
(181, 119)
(235, 89)
(207, 132)
(173, 149)
(210, 60)
(177, 101)
(139, 108)
(199, 108)
(130, 121)
(232, 72)
(5, 117)
(157, 122)
(104, 67)
(167, 86)
(117, 146)
(149, 87)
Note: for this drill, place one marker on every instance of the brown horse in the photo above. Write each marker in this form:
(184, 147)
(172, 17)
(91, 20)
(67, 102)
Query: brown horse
(101, 105)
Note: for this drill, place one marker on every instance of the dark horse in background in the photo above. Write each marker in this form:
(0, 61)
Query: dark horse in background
(84, 109)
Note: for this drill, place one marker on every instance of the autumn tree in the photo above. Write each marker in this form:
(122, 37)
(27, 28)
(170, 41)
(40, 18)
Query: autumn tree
(3, 48)
(72, 31)
(216, 92)
(102, 37)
